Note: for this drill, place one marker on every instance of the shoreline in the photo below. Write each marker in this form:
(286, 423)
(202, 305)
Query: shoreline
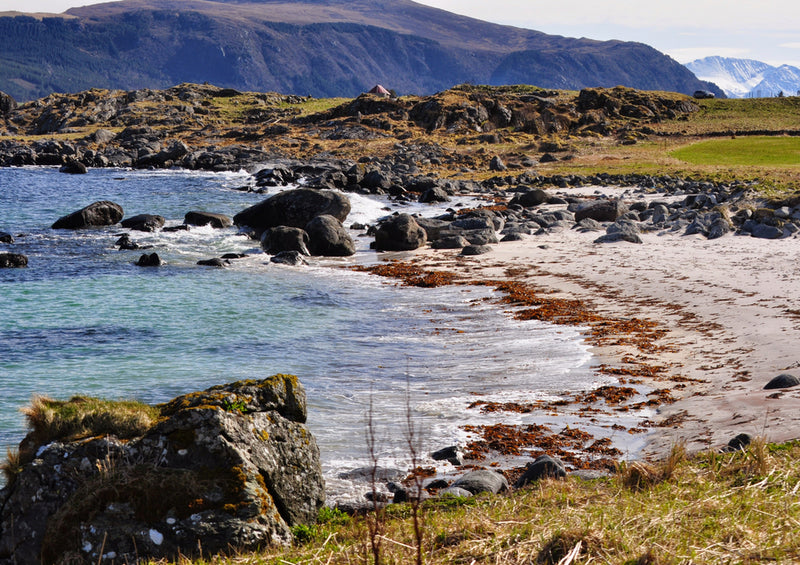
(725, 305)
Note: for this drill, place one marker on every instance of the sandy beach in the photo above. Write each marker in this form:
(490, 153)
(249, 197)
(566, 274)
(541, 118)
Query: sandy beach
(729, 307)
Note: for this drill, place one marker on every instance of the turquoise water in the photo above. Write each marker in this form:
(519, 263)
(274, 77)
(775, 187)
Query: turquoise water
(83, 319)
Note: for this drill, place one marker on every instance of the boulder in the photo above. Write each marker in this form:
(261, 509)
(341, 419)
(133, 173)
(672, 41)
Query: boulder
(7, 103)
(73, 167)
(400, 233)
(289, 258)
(283, 238)
(217, 262)
(543, 467)
(602, 211)
(149, 260)
(6, 237)
(451, 454)
(97, 214)
(476, 249)
(531, 198)
(450, 242)
(496, 164)
(144, 222)
(294, 208)
(739, 442)
(434, 194)
(482, 481)
(13, 261)
(765, 231)
(232, 468)
(782, 381)
(125, 242)
(329, 238)
(218, 221)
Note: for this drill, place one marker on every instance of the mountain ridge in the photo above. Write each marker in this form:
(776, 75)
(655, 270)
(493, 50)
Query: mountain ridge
(316, 47)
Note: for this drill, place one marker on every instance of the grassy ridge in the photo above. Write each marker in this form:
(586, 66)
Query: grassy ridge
(743, 152)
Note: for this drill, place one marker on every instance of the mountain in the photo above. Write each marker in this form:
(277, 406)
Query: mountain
(744, 78)
(316, 47)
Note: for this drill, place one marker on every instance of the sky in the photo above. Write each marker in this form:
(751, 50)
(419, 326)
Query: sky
(765, 30)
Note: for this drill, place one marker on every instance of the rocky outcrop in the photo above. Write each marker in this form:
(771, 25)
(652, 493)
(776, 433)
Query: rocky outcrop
(294, 208)
(230, 468)
(282, 238)
(97, 214)
(400, 233)
(13, 261)
(7, 103)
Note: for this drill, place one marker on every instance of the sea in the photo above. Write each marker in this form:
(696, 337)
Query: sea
(83, 319)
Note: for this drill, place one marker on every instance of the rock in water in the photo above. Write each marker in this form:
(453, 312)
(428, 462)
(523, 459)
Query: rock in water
(400, 233)
(294, 208)
(218, 221)
(328, 237)
(102, 213)
(13, 261)
(231, 468)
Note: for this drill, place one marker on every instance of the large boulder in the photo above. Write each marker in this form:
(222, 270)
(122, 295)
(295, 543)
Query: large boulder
(232, 468)
(329, 238)
(482, 480)
(400, 233)
(602, 211)
(283, 238)
(97, 214)
(13, 261)
(294, 208)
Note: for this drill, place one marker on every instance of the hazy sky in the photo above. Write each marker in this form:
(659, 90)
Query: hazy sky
(766, 30)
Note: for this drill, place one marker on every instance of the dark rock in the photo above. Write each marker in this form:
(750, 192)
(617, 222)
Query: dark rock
(144, 222)
(73, 167)
(7, 103)
(513, 236)
(588, 224)
(450, 242)
(215, 262)
(6, 237)
(433, 227)
(329, 238)
(739, 442)
(548, 158)
(231, 467)
(283, 238)
(400, 233)
(149, 260)
(365, 474)
(13, 261)
(435, 194)
(289, 258)
(782, 381)
(602, 211)
(531, 198)
(542, 467)
(102, 213)
(125, 243)
(294, 208)
(476, 250)
(496, 164)
(218, 221)
(452, 454)
(234, 256)
(719, 228)
(482, 481)
(764, 231)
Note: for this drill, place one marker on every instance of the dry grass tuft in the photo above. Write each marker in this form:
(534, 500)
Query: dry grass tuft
(640, 475)
(81, 416)
(565, 547)
(12, 466)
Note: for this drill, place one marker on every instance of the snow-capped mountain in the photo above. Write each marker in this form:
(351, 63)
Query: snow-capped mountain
(741, 78)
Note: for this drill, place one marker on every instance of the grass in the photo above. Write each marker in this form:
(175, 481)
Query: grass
(740, 507)
(759, 151)
(83, 416)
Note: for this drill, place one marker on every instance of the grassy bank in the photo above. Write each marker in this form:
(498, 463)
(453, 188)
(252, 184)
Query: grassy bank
(740, 507)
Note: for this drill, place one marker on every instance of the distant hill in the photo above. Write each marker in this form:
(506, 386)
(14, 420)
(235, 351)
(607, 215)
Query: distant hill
(316, 47)
(746, 78)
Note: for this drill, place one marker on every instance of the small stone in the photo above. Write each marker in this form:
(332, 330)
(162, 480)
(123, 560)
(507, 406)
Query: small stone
(782, 381)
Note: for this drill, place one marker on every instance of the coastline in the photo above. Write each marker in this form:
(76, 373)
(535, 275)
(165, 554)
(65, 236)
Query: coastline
(726, 306)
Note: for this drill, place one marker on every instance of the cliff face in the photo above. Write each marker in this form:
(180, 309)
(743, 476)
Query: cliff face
(330, 48)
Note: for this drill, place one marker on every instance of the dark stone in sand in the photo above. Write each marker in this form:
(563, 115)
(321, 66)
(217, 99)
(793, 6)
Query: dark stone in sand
(602, 211)
(782, 381)
(289, 258)
(455, 491)
(476, 249)
(531, 198)
(400, 233)
(739, 442)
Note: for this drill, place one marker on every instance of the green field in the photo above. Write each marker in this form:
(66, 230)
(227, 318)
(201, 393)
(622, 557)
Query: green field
(743, 151)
